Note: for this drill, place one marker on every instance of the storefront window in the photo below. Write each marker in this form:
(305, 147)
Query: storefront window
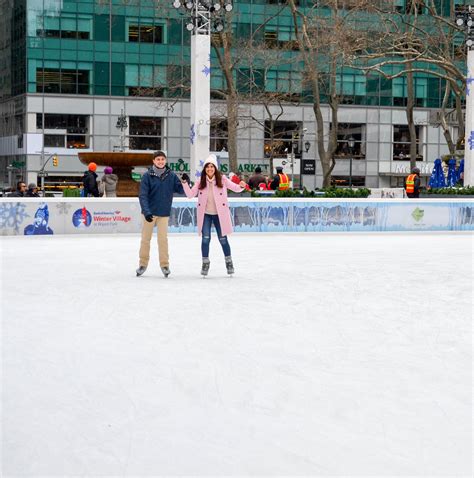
(351, 138)
(74, 130)
(145, 133)
(401, 143)
(219, 135)
(285, 139)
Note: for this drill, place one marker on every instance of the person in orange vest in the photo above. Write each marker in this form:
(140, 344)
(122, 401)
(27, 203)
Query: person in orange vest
(280, 180)
(412, 184)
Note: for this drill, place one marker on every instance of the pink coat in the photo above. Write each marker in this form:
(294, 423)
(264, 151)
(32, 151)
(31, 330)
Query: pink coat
(222, 205)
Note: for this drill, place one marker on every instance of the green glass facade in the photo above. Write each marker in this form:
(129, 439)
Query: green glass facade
(141, 48)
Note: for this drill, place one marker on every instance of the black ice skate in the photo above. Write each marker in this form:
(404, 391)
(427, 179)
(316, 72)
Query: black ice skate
(205, 266)
(229, 265)
(140, 270)
(166, 271)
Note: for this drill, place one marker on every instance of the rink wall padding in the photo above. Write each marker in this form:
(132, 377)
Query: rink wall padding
(35, 216)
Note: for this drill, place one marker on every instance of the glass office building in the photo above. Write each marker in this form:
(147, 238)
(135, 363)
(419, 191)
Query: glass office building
(70, 68)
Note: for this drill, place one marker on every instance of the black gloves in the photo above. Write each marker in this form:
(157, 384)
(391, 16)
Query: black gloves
(185, 177)
(149, 218)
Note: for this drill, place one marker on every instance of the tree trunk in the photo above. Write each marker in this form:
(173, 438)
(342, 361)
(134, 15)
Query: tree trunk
(232, 122)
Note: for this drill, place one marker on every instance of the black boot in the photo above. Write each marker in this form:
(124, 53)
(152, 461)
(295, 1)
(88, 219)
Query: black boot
(229, 265)
(205, 266)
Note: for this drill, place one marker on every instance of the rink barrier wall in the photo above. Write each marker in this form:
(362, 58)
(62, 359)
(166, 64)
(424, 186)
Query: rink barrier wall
(35, 216)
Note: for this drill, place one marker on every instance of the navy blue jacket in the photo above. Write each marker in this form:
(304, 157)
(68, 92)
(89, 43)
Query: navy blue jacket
(156, 192)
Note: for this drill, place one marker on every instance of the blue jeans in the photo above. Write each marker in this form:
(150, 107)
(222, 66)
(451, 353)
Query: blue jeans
(206, 235)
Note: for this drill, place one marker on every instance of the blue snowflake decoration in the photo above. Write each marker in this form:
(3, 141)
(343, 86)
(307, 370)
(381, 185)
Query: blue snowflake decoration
(201, 163)
(192, 134)
(468, 83)
(12, 215)
(206, 70)
(471, 141)
(198, 174)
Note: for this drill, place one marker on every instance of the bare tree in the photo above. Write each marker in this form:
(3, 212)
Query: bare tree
(411, 43)
(327, 44)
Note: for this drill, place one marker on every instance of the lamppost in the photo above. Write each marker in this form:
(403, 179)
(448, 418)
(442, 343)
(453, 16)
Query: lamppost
(307, 145)
(465, 20)
(205, 16)
(122, 125)
(351, 144)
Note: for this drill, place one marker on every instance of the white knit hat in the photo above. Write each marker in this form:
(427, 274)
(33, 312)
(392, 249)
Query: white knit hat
(211, 159)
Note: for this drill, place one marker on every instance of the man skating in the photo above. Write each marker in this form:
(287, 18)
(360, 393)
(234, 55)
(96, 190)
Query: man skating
(157, 187)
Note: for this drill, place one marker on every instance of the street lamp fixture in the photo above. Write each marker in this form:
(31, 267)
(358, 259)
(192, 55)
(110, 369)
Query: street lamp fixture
(307, 145)
(122, 125)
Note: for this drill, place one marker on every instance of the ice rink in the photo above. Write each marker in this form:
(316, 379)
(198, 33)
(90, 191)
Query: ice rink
(343, 354)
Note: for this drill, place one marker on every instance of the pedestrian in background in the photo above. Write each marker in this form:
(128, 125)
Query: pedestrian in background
(257, 178)
(20, 191)
(412, 184)
(89, 180)
(32, 191)
(109, 182)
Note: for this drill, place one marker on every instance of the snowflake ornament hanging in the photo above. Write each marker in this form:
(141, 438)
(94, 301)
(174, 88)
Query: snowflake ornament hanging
(192, 134)
(468, 84)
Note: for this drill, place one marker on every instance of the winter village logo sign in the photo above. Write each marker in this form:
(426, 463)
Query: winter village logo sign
(81, 218)
(110, 218)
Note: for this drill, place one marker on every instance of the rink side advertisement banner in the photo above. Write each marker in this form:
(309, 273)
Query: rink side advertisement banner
(35, 216)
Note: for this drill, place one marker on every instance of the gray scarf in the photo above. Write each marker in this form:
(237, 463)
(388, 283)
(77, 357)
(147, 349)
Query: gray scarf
(159, 171)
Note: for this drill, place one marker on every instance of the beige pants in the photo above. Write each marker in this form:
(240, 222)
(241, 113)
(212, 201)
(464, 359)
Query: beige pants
(161, 222)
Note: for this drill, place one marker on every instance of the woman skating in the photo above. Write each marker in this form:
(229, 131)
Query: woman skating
(213, 208)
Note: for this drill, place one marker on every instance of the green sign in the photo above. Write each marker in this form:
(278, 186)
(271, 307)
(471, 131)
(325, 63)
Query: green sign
(418, 214)
(18, 164)
(136, 177)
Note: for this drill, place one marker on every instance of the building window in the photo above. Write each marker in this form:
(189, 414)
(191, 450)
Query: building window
(52, 80)
(54, 140)
(145, 80)
(60, 131)
(76, 27)
(340, 181)
(284, 82)
(145, 133)
(351, 138)
(401, 143)
(219, 135)
(145, 33)
(285, 139)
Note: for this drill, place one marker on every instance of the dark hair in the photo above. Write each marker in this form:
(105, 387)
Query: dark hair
(19, 183)
(159, 153)
(279, 168)
(258, 169)
(218, 175)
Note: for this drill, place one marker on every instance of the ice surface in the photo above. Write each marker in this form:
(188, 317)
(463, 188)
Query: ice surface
(325, 354)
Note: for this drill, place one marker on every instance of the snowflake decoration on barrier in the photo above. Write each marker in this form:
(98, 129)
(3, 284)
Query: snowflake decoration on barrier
(206, 70)
(471, 141)
(12, 215)
(192, 134)
(468, 84)
(63, 208)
